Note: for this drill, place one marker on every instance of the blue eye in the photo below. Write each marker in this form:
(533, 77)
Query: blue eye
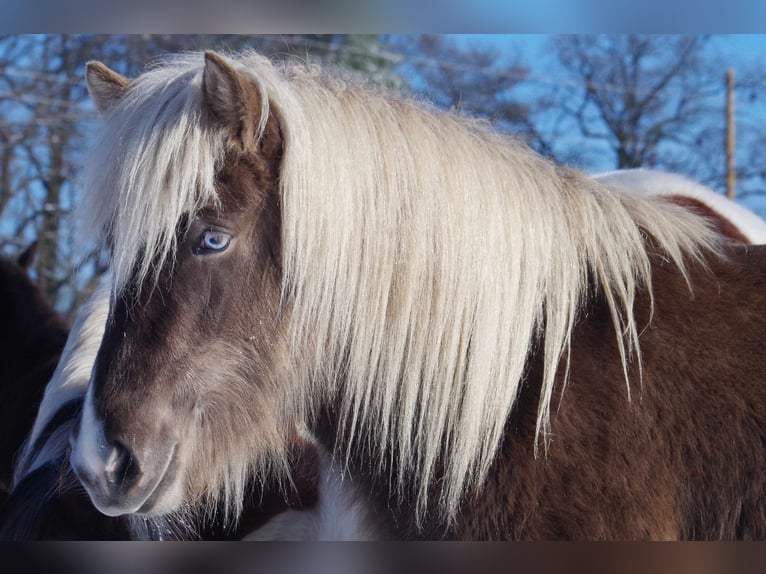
(212, 241)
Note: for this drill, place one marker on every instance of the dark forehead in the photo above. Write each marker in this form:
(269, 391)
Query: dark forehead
(244, 181)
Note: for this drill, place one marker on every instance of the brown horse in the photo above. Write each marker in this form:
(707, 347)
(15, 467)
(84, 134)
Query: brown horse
(31, 340)
(489, 345)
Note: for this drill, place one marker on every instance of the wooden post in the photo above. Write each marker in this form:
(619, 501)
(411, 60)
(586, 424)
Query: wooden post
(731, 175)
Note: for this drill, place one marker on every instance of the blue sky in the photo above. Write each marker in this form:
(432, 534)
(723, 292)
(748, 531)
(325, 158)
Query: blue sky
(747, 48)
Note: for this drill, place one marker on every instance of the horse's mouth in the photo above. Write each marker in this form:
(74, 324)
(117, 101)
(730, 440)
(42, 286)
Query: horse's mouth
(166, 479)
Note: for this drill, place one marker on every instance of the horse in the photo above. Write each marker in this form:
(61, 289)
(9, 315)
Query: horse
(489, 345)
(32, 337)
(49, 504)
(730, 219)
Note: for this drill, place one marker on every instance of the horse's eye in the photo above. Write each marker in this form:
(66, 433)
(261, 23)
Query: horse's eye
(211, 241)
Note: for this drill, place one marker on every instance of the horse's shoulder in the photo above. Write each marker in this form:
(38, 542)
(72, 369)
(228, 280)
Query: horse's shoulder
(713, 327)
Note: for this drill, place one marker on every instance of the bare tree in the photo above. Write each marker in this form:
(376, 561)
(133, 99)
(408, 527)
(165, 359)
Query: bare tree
(39, 115)
(44, 114)
(654, 100)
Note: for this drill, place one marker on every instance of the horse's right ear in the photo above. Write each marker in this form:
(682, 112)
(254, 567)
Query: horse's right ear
(27, 257)
(238, 104)
(106, 86)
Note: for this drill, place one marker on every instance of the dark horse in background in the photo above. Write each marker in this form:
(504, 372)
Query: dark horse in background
(31, 343)
(487, 345)
(31, 340)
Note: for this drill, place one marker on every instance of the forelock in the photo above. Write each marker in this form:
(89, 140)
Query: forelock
(153, 162)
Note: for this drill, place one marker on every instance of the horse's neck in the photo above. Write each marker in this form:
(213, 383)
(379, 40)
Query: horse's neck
(371, 494)
(394, 510)
(341, 511)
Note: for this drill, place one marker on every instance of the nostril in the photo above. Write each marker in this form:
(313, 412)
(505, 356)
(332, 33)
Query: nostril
(121, 466)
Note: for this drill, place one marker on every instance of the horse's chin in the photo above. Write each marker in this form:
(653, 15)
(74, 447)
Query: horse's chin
(169, 501)
(168, 495)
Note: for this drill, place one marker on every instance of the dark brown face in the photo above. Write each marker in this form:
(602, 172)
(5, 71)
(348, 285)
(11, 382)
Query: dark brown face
(186, 377)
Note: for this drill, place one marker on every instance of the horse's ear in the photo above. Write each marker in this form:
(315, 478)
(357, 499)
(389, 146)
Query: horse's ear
(236, 102)
(105, 86)
(27, 257)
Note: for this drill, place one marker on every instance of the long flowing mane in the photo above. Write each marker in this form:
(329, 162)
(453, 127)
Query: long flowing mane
(423, 254)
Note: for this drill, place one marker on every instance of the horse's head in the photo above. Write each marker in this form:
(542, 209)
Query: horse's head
(184, 397)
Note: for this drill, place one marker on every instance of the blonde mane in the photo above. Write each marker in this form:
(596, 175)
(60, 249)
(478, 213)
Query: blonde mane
(423, 253)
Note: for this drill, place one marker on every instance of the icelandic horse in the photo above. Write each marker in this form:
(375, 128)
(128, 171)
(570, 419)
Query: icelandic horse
(488, 345)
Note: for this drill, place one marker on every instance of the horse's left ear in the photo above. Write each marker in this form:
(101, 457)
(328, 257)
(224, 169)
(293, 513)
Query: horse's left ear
(27, 257)
(105, 86)
(236, 102)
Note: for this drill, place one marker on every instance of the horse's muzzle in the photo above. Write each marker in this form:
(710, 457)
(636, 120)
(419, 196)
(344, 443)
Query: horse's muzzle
(120, 478)
(117, 485)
